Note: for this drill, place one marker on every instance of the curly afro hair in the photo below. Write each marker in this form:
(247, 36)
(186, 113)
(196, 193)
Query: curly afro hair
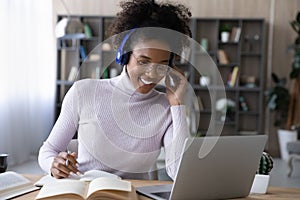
(148, 13)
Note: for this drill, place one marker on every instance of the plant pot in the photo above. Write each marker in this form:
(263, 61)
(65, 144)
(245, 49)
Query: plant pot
(225, 36)
(285, 136)
(204, 80)
(260, 184)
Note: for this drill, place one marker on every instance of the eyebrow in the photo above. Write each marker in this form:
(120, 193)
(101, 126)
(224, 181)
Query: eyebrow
(148, 58)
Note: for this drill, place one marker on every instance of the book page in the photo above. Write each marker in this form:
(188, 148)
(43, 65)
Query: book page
(13, 184)
(93, 174)
(63, 187)
(11, 179)
(87, 176)
(106, 183)
(114, 194)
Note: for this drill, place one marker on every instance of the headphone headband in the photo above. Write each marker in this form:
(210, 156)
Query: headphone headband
(122, 56)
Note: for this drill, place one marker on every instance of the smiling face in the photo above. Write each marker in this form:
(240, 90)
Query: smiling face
(147, 66)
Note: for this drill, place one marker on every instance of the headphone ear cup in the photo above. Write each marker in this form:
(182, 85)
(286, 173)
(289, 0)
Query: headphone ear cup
(171, 59)
(125, 58)
(122, 59)
(122, 56)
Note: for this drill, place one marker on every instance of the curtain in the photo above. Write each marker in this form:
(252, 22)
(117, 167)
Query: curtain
(27, 76)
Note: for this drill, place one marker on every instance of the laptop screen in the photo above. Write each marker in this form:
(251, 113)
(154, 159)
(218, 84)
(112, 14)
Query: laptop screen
(227, 171)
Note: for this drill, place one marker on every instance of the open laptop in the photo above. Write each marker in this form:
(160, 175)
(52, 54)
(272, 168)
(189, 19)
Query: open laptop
(225, 171)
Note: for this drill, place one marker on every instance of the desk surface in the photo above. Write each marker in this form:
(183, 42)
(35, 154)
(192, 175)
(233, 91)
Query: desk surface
(274, 193)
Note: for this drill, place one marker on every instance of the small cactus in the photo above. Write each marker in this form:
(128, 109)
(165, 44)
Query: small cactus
(265, 164)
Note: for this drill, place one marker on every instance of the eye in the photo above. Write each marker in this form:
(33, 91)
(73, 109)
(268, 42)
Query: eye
(143, 62)
(162, 68)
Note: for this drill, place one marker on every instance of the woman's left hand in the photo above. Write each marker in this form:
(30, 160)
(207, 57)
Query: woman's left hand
(176, 86)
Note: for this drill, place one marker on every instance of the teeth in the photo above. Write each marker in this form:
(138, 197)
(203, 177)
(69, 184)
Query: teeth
(146, 82)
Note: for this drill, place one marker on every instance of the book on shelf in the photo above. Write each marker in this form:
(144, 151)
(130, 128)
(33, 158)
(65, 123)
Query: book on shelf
(73, 73)
(63, 73)
(235, 34)
(222, 57)
(198, 104)
(201, 105)
(87, 31)
(13, 184)
(233, 77)
(91, 185)
(63, 64)
(82, 52)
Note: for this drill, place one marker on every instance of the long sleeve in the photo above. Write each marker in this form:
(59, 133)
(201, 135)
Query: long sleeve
(174, 139)
(62, 132)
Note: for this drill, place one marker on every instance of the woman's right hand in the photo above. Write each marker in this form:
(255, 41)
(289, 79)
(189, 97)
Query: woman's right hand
(64, 164)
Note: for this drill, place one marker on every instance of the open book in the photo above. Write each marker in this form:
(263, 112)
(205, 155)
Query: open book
(13, 184)
(93, 184)
(99, 188)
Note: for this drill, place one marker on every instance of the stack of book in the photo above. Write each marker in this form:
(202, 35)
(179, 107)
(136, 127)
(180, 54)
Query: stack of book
(233, 77)
(222, 57)
(235, 34)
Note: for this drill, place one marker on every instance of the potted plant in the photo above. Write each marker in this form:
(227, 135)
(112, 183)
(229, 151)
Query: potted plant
(226, 108)
(285, 103)
(294, 104)
(262, 176)
(225, 30)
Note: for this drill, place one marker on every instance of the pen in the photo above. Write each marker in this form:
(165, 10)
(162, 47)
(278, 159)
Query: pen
(67, 161)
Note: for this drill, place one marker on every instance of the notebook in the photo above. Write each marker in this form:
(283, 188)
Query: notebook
(213, 168)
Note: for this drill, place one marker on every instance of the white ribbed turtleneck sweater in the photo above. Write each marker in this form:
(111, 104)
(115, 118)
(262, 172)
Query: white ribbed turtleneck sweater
(119, 130)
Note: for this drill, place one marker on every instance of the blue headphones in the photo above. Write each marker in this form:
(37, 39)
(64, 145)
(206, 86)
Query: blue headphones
(122, 56)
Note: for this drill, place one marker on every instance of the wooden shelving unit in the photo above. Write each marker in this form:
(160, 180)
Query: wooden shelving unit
(247, 53)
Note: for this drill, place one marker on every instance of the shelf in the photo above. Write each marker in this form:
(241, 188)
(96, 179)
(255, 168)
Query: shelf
(90, 39)
(248, 112)
(247, 54)
(250, 54)
(227, 88)
(89, 61)
(203, 53)
(67, 49)
(199, 87)
(228, 65)
(64, 82)
(248, 89)
(227, 123)
(205, 111)
(228, 43)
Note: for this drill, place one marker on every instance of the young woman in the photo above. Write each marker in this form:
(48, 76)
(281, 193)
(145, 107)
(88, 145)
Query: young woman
(123, 122)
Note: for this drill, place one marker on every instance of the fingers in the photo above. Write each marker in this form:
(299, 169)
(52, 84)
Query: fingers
(172, 80)
(71, 160)
(177, 75)
(176, 86)
(178, 70)
(64, 164)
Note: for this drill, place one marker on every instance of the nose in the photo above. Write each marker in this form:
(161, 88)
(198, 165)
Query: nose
(152, 72)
